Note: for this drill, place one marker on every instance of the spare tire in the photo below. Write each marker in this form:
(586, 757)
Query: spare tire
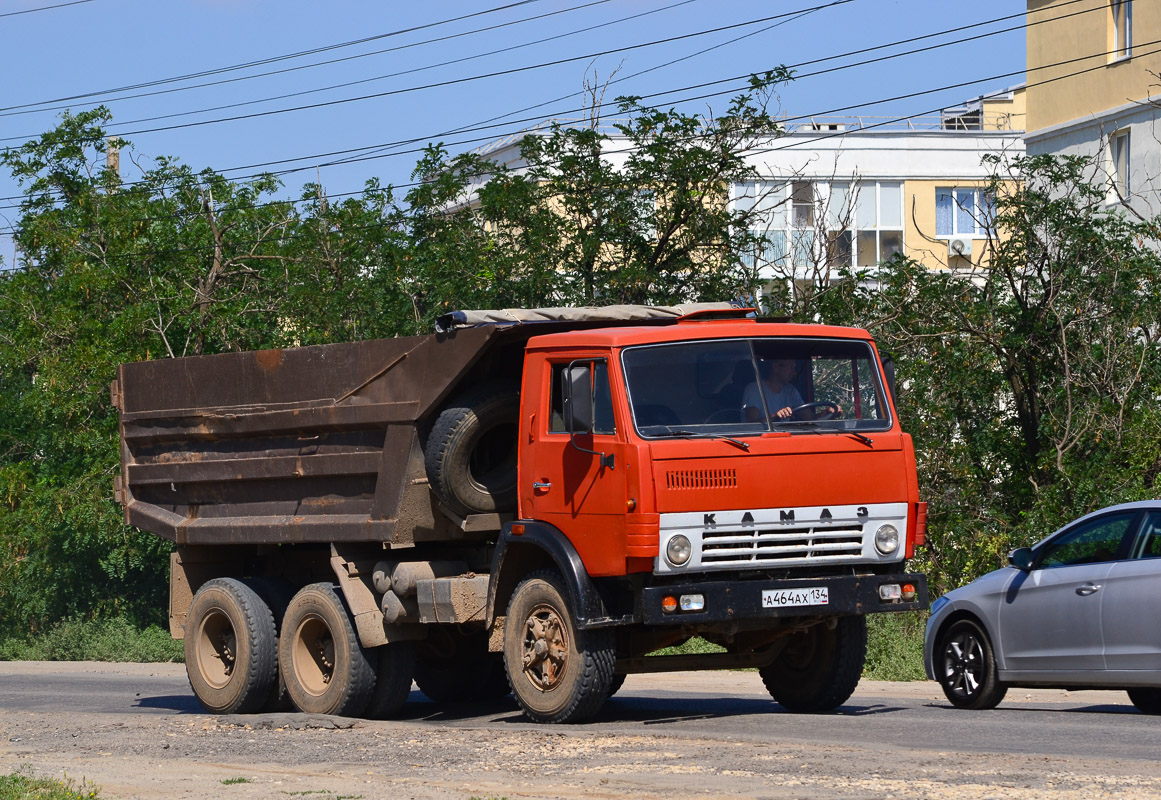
(471, 451)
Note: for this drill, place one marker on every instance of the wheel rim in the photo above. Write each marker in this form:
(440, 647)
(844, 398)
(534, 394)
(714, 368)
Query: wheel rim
(545, 648)
(963, 664)
(313, 656)
(217, 652)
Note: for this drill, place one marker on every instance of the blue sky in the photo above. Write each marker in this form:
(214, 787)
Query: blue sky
(86, 48)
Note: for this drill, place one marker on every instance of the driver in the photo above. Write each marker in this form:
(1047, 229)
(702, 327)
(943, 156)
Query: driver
(777, 387)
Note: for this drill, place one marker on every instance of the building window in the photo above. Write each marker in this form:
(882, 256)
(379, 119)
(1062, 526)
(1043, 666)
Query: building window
(963, 212)
(1122, 23)
(1119, 166)
(874, 210)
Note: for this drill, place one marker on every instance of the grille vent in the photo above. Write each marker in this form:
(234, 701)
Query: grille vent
(701, 479)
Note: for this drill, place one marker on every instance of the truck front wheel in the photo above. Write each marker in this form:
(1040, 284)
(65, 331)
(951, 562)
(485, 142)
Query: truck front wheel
(230, 648)
(325, 668)
(819, 668)
(558, 673)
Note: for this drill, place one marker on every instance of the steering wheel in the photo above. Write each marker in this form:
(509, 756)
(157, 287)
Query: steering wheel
(724, 415)
(833, 409)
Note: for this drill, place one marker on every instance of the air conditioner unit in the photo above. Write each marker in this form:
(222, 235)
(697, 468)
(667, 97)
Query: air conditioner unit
(959, 246)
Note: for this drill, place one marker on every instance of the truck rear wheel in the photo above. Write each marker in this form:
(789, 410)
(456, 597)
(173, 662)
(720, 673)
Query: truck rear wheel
(470, 454)
(393, 673)
(325, 668)
(557, 672)
(460, 669)
(819, 668)
(230, 648)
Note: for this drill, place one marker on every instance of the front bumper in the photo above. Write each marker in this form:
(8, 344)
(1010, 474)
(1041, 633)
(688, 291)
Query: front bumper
(742, 600)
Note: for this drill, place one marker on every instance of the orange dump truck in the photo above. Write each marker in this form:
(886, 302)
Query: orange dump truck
(530, 501)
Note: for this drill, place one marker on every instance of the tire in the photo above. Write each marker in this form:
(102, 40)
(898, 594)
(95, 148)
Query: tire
(819, 668)
(394, 669)
(230, 648)
(1147, 701)
(965, 666)
(470, 453)
(557, 672)
(462, 671)
(325, 669)
(276, 594)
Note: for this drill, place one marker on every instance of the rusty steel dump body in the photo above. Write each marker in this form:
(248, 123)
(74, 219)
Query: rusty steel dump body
(312, 444)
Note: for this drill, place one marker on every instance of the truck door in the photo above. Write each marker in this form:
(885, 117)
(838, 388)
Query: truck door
(570, 488)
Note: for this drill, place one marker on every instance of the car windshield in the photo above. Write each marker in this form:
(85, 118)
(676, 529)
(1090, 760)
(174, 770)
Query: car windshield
(737, 387)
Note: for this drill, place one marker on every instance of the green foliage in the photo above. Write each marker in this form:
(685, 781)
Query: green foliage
(233, 781)
(23, 786)
(1029, 385)
(895, 647)
(94, 640)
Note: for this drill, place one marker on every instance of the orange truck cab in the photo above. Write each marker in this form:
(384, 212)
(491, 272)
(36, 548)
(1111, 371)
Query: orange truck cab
(656, 468)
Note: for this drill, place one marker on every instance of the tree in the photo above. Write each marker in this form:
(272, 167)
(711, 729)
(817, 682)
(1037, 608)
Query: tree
(1030, 383)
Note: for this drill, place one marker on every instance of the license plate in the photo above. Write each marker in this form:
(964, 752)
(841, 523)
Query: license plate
(784, 598)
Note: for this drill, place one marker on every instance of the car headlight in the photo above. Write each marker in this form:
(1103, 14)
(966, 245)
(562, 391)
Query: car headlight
(939, 603)
(678, 550)
(887, 539)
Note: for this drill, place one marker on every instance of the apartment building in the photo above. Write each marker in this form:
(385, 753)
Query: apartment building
(1094, 90)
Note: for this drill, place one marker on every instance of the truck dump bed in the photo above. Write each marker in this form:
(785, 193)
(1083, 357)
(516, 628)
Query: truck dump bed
(314, 444)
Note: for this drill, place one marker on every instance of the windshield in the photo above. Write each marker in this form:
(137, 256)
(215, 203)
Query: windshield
(732, 387)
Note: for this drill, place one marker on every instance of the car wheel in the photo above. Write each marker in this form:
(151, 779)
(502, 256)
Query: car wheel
(966, 668)
(1147, 701)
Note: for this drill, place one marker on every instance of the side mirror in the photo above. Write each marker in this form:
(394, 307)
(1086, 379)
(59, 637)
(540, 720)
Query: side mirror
(1021, 558)
(578, 399)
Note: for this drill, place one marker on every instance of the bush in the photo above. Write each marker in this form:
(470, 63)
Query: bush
(895, 647)
(21, 786)
(94, 640)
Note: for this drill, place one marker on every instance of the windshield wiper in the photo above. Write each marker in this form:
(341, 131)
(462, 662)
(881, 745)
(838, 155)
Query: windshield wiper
(814, 427)
(722, 436)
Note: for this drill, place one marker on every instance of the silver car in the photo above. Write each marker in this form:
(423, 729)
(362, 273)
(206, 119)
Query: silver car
(1080, 609)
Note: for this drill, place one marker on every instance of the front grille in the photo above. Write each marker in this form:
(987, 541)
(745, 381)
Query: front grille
(701, 479)
(832, 543)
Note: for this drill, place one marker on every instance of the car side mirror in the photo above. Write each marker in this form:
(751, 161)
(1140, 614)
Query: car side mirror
(1021, 558)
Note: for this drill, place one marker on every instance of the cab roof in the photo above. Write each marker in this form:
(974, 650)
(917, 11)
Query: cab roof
(689, 330)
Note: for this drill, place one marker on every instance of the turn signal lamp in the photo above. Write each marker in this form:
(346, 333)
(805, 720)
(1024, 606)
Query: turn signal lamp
(669, 604)
(909, 592)
(517, 529)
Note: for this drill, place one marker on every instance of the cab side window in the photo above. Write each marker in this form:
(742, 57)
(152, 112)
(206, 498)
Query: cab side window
(603, 421)
(1093, 542)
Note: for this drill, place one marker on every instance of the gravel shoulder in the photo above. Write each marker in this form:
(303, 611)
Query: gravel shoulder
(161, 746)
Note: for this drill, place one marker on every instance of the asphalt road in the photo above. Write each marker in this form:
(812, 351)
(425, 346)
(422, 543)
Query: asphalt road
(888, 740)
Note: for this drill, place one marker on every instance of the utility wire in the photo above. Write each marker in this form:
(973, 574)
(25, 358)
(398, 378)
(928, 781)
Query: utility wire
(457, 81)
(43, 8)
(322, 63)
(274, 59)
(807, 141)
(411, 71)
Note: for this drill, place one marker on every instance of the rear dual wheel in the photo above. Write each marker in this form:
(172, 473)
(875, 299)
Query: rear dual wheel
(231, 646)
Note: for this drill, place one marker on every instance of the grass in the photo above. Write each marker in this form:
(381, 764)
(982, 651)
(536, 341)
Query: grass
(94, 640)
(21, 786)
(232, 781)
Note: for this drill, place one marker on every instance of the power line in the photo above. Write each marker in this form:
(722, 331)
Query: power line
(319, 63)
(411, 71)
(43, 8)
(274, 59)
(811, 140)
(657, 94)
(457, 81)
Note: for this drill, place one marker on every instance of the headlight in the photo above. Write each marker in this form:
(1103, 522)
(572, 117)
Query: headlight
(939, 603)
(887, 539)
(678, 551)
